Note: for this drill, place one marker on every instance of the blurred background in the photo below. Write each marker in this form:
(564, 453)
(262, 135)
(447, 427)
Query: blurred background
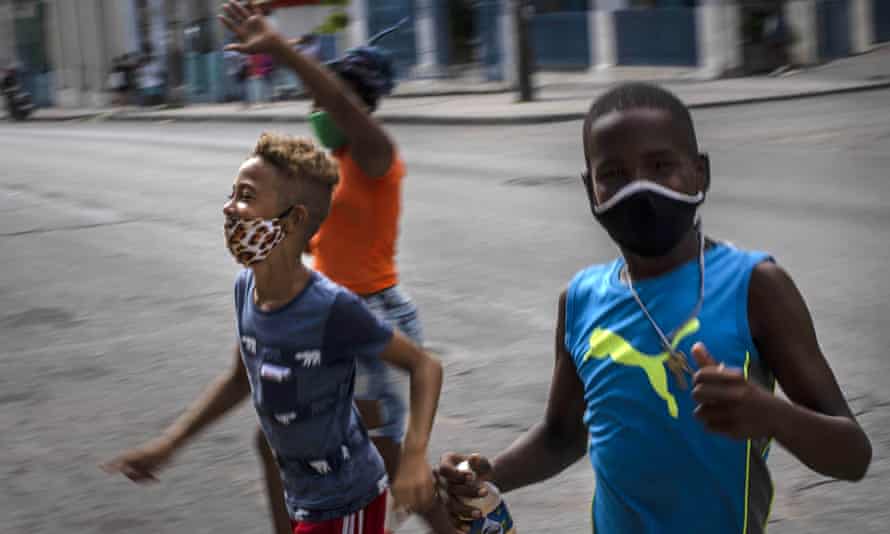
(94, 53)
(116, 286)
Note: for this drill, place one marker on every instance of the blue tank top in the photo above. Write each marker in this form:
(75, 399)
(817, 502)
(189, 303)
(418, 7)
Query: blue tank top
(657, 469)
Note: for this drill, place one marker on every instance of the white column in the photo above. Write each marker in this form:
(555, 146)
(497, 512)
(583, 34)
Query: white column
(719, 40)
(732, 22)
(358, 22)
(605, 45)
(130, 28)
(426, 42)
(55, 51)
(801, 15)
(603, 37)
(157, 31)
(508, 47)
(862, 25)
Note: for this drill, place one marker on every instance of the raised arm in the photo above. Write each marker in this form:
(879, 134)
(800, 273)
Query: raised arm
(414, 483)
(544, 451)
(369, 145)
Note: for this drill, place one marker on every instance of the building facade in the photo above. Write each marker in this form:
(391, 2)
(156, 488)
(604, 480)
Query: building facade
(67, 47)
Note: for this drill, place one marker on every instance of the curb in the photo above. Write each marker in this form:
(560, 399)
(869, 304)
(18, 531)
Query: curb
(409, 119)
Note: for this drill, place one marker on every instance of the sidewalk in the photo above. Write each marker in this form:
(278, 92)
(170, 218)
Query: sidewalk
(560, 96)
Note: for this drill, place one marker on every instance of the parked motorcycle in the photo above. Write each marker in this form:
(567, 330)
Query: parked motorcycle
(18, 101)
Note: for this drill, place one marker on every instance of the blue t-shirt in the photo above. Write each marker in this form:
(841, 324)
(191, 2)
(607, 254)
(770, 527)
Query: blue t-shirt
(301, 361)
(658, 471)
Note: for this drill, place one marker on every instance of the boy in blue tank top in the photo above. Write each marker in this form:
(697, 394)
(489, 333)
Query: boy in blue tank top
(299, 339)
(667, 358)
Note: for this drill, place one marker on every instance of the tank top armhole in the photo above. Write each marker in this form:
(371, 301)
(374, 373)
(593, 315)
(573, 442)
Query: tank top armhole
(753, 259)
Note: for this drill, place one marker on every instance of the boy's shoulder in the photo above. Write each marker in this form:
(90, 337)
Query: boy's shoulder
(726, 253)
(339, 301)
(594, 274)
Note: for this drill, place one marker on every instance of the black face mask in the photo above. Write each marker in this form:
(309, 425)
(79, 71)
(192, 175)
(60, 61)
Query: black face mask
(645, 218)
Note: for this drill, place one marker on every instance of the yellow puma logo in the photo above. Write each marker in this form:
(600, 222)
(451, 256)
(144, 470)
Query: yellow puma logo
(604, 343)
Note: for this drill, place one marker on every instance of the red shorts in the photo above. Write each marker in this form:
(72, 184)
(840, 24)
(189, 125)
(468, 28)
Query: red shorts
(368, 520)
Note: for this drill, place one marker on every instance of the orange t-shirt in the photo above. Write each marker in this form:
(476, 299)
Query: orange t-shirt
(356, 245)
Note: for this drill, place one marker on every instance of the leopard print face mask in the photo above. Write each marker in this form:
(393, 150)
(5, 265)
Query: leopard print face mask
(252, 240)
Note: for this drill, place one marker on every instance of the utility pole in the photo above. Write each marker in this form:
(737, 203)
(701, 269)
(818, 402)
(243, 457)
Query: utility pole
(522, 11)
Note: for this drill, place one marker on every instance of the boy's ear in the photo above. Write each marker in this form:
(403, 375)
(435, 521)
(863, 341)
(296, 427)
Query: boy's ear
(704, 169)
(299, 214)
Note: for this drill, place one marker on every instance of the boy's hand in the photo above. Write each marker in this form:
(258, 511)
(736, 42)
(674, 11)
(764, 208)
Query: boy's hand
(141, 464)
(251, 28)
(455, 485)
(413, 488)
(728, 403)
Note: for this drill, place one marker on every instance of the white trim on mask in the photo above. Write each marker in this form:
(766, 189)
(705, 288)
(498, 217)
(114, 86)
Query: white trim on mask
(646, 185)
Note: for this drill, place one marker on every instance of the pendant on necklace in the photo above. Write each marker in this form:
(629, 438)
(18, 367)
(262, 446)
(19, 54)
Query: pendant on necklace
(679, 366)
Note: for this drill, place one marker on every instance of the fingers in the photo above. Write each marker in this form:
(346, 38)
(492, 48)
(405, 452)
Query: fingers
(702, 357)
(448, 470)
(253, 9)
(452, 460)
(140, 476)
(456, 485)
(717, 391)
(235, 47)
(451, 475)
(463, 511)
(481, 466)
(238, 11)
(719, 375)
(230, 14)
(452, 495)
(111, 467)
(134, 472)
(228, 23)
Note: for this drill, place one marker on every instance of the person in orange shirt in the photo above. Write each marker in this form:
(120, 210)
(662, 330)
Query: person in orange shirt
(356, 245)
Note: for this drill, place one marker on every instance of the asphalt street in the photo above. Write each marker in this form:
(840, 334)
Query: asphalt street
(116, 293)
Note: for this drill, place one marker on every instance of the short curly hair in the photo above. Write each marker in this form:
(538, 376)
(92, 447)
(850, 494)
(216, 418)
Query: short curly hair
(314, 173)
(639, 95)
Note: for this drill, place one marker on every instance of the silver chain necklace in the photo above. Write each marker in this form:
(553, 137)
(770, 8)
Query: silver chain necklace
(677, 361)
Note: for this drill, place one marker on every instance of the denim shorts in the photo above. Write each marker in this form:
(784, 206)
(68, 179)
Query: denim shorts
(377, 381)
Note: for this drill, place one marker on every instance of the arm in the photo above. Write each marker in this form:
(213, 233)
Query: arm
(413, 487)
(817, 426)
(370, 146)
(426, 384)
(543, 452)
(226, 392)
(561, 439)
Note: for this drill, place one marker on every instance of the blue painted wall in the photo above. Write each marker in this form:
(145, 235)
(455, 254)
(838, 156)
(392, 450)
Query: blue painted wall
(881, 17)
(561, 39)
(833, 23)
(658, 36)
(488, 21)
